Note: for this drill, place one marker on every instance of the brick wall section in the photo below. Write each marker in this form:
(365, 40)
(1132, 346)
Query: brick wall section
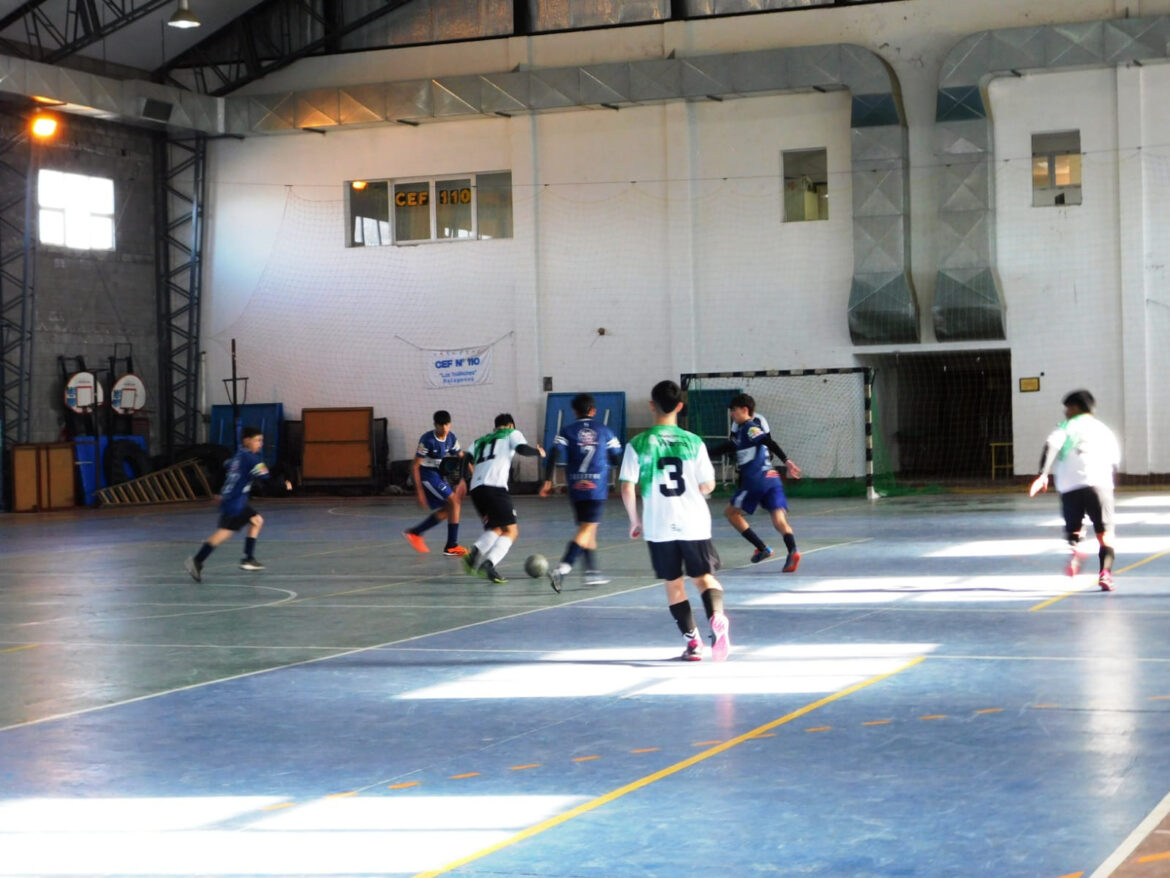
(86, 302)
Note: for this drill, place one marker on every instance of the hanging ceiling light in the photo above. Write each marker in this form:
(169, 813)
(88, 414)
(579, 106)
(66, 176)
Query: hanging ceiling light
(184, 17)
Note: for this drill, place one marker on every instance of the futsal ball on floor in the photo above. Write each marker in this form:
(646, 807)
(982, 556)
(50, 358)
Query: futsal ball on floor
(536, 566)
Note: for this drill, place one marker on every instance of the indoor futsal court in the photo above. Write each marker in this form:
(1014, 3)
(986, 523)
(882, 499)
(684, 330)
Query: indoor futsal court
(927, 695)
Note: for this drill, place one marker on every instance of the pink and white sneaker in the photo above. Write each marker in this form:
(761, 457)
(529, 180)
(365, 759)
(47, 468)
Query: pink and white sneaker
(1105, 581)
(720, 638)
(693, 652)
(1074, 566)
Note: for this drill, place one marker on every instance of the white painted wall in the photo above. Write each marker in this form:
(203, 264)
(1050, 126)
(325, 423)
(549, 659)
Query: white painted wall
(661, 225)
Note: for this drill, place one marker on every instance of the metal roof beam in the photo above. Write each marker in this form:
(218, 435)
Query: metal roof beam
(80, 23)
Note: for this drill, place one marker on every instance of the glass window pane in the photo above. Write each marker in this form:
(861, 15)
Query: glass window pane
(52, 227)
(77, 229)
(493, 202)
(412, 211)
(101, 233)
(99, 193)
(51, 189)
(1039, 172)
(806, 184)
(369, 207)
(453, 209)
(1068, 170)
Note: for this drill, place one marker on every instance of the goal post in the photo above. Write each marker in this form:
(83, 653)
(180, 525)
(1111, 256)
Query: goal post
(822, 418)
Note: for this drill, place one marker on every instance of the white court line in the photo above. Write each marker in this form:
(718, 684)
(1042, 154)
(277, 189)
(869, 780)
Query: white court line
(290, 595)
(84, 710)
(1135, 838)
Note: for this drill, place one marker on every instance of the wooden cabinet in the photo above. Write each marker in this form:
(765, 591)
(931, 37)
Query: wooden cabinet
(42, 477)
(338, 445)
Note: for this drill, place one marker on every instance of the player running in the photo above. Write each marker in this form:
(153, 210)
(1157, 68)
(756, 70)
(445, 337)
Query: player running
(759, 482)
(671, 470)
(589, 447)
(234, 510)
(437, 449)
(491, 455)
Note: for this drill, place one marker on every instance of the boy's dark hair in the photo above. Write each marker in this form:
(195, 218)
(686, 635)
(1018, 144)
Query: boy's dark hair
(666, 395)
(442, 416)
(743, 401)
(504, 419)
(583, 404)
(249, 432)
(1082, 400)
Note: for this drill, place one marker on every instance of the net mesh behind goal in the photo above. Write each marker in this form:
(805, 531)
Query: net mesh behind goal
(819, 417)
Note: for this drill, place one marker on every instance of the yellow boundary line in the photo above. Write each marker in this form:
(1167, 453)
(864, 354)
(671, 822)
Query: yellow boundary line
(605, 799)
(1133, 566)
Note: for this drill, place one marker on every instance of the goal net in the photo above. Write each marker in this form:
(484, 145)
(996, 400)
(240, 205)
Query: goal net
(820, 417)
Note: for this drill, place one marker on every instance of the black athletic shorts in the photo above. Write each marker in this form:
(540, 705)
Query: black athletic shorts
(235, 522)
(1097, 503)
(696, 557)
(588, 511)
(494, 506)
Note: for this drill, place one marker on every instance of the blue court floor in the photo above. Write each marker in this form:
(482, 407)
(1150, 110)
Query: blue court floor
(927, 695)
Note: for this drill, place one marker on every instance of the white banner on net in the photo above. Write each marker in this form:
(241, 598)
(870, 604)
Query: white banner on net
(455, 368)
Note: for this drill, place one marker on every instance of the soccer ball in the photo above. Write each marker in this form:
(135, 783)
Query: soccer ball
(536, 566)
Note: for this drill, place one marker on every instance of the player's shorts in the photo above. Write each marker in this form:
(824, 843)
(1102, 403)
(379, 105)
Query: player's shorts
(588, 511)
(1097, 503)
(237, 521)
(767, 492)
(696, 557)
(435, 487)
(494, 505)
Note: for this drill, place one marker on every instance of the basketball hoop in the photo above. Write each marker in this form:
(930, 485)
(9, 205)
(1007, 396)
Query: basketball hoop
(83, 393)
(128, 395)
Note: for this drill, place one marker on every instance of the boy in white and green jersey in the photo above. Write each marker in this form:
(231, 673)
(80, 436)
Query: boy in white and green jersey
(671, 470)
(491, 455)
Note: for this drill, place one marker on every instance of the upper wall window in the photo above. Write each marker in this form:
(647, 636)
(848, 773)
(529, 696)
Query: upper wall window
(432, 209)
(806, 184)
(75, 210)
(1056, 168)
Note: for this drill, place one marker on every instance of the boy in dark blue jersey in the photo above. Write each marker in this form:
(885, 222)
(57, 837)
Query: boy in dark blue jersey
(437, 451)
(234, 511)
(759, 482)
(589, 447)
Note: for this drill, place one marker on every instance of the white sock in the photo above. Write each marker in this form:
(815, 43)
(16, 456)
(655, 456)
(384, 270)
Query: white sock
(486, 541)
(563, 568)
(497, 552)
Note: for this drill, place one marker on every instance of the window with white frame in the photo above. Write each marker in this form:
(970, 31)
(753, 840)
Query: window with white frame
(1056, 168)
(412, 211)
(75, 210)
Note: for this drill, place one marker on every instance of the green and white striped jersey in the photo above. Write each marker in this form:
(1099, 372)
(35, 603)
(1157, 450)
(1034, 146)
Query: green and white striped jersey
(492, 456)
(668, 464)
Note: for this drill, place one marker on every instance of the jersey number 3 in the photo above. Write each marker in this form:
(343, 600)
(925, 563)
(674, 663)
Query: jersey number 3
(675, 484)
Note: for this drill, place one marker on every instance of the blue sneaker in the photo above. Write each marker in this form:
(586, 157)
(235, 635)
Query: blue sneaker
(761, 554)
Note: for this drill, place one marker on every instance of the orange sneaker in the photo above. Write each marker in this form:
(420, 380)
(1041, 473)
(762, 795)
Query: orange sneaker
(454, 551)
(416, 542)
(792, 562)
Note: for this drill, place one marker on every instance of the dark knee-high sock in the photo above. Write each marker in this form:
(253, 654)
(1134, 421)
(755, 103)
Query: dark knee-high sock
(1105, 554)
(752, 537)
(452, 533)
(204, 550)
(249, 546)
(572, 553)
(713, 601)
(684, 618)
(590, 560)
(427, 523)
(790, 542)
